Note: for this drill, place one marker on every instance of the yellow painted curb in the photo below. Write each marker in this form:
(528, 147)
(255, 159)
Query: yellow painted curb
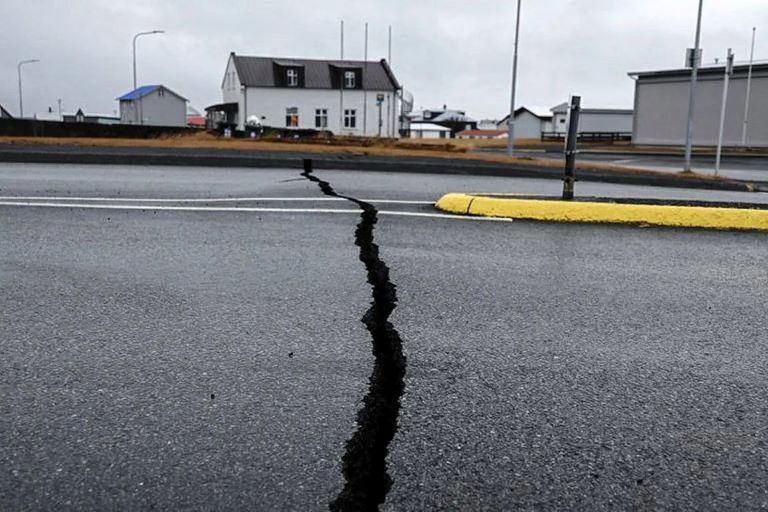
(609, 213)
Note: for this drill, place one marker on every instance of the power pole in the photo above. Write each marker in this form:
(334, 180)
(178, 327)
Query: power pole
(511, 122)
(696, 57)
(341, 84)
(749, 91)
(365, 90)
(726, 80)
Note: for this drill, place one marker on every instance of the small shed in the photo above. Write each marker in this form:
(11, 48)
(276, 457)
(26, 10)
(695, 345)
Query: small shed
(153, 105)
(429, 131)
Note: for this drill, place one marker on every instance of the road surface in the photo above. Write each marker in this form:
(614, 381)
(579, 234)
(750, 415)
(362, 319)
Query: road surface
(162, 349)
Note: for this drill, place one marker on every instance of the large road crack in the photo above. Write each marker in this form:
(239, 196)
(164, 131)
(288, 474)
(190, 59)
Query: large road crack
(364, 461)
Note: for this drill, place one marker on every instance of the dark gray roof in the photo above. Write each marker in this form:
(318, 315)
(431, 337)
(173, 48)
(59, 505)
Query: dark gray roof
(4, 114)
(260, 72)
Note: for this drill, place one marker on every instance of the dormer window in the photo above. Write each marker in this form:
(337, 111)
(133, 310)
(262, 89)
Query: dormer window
(349, 79)
(292, 76)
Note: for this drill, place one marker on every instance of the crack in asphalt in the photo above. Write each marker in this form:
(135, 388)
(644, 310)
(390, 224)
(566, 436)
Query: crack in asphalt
(364, 462)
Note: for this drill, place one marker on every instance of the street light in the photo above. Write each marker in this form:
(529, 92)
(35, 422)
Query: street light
(511, 122)
(21, 100)
(692, 101)
(134, 49)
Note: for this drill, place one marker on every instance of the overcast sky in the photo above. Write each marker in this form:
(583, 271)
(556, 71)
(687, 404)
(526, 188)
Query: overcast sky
(454, 52)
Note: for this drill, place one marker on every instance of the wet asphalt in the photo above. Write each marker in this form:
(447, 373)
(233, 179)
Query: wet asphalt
(156, 359)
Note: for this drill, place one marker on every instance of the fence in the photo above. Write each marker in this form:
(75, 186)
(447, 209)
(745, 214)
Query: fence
(607, 137)
(35, 128)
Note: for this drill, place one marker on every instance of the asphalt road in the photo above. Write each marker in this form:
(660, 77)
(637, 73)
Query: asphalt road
(742, 168)
(159, 352)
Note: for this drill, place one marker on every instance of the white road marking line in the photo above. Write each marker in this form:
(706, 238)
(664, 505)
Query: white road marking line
(244, 209)
(205, 200)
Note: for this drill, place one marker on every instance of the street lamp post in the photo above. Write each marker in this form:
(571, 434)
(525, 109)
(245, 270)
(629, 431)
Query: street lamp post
(511, 122)
(134, 49)
(749, 91)
(692, 101)
(21, 97)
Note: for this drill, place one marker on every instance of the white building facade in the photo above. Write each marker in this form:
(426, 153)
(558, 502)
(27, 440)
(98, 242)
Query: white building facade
(661, 106)
(344, 97)
(594, 120)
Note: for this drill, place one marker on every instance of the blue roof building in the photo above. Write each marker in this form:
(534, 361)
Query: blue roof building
(153, 105)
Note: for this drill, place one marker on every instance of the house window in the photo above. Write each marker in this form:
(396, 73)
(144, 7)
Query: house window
(293, 78)
(349, 79)
(292, 117)
(321, 118)
(161, 92)
(350, 118)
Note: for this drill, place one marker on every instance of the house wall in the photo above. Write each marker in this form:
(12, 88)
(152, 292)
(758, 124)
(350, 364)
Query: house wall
(662, 111)
(155, 110)
(271, 104)
(594, 122)
(527, 126)
(428, 134)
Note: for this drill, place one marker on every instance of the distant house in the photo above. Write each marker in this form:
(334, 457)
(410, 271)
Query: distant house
(594, 120)
(530, 122)
(429, 131)
(341, 96)
(153, 105)
(4, 114)
(482, 134)
(455, 120)
(81, 117)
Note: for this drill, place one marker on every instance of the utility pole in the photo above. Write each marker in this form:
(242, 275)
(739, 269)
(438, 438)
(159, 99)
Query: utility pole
(61, 117)
(511, 122)
(341, 83)
(570, 147)
(696, 58)
(749, 91)
(21, 89)
(726, 80)
(365, 90)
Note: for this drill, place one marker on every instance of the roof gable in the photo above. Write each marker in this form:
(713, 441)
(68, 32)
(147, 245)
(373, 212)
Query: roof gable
(4, 114)
(318, 74)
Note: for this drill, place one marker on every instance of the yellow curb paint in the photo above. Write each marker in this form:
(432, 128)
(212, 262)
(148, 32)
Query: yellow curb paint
(609, 213)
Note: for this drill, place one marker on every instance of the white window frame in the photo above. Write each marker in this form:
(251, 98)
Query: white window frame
(321, 118)
(350, 118)
(292, 76)
(349, 79)
(289, 112)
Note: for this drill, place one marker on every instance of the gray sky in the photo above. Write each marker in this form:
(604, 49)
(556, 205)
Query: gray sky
(454, 52)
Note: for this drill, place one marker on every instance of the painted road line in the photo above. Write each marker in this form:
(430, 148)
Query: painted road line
(133, 207)
(207, 200)
(606, 213)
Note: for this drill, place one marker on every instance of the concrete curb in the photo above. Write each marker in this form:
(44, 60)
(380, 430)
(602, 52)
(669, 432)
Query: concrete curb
(606, 213)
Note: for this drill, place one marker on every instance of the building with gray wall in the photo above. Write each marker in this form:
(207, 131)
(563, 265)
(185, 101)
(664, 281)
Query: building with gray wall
(153, 105)
(661, 106)
(593, 120)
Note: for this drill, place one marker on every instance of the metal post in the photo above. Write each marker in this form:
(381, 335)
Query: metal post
(61, 117)
(21, 92)
(511, 122)
(135, 108)
(365, 90)
(692, 100)
(341, 84)
(380, 120)
(749, 91)
(570, 148)
(726, 80)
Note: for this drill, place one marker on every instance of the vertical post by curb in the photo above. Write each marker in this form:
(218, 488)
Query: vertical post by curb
(570, 148)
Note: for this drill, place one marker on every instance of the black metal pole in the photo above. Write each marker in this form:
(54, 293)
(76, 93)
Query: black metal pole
(570, 148)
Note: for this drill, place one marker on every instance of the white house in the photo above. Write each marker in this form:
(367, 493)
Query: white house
(594, 120)
(429, 131)
(530, 122)
(153, 105)
(344, 97)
